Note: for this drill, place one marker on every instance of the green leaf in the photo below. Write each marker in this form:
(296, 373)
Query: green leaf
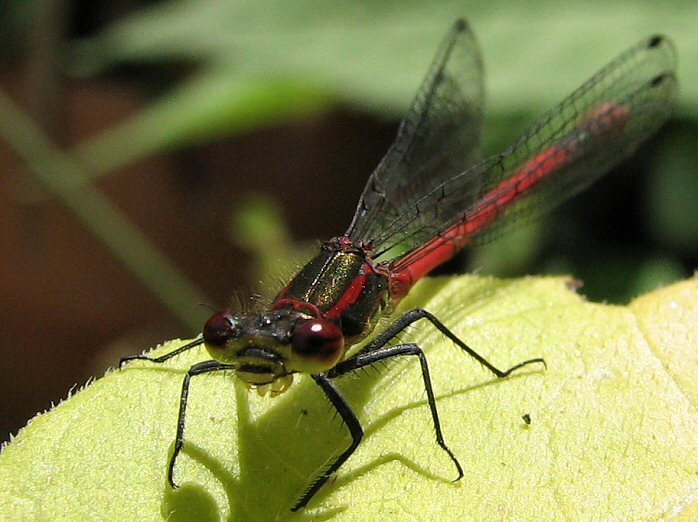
(611, 435)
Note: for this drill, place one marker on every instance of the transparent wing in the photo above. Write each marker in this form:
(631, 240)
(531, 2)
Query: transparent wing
(573, 144)
(439, 137)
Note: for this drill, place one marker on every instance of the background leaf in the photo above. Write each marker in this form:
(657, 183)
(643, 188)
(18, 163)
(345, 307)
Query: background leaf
(368, 54)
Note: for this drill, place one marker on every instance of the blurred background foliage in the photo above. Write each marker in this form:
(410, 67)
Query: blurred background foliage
(156, 154)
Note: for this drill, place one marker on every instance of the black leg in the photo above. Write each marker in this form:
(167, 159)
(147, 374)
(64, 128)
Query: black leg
(162, 358)
(197, 369)
(419, 313)
(377, 351)
(352, 422)
(349, 417)
(388, 352)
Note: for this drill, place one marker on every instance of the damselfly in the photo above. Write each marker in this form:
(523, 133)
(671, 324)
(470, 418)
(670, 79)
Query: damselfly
(429, 197)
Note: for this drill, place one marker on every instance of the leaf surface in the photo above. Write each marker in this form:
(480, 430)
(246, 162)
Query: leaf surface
(612, 431)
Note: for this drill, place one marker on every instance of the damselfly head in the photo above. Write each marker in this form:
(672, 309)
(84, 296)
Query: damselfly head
(251, 343)
(266, 348)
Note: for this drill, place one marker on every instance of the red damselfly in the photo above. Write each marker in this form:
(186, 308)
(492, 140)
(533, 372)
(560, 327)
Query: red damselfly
(429, 197)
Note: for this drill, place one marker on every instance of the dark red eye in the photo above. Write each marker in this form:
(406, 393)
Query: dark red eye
(318, 340)
(219, 328)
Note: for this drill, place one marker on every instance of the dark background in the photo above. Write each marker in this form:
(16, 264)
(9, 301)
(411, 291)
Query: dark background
(154, 156)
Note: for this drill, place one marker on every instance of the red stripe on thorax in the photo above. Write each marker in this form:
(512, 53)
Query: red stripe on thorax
(350, 296)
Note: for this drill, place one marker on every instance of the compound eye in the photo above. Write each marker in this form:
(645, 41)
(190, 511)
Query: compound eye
(219, 328)
(318, 345)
